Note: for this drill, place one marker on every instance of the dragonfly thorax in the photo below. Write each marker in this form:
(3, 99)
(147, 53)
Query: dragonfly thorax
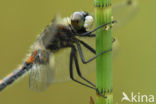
(57, 36)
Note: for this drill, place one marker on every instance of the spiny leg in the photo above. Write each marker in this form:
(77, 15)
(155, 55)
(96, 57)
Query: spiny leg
(82, 57)
(89, 32)
(71, 69)
(93, 35)
(79, 72)
(89, 35)
(80, 75)
(88, 47)
(72, 56)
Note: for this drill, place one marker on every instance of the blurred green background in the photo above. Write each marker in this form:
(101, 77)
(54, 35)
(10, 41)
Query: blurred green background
(134, 67)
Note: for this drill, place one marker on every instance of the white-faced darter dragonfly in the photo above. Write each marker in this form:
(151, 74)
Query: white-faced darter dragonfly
(61, 34)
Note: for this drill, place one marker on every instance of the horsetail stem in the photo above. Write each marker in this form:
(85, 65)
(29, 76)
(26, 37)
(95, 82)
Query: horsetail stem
(103, 15)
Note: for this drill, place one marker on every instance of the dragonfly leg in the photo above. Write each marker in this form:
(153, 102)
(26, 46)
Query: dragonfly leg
(82, 57)
(103, 25)
(91, 35)
(90, 48)
(94, 35)
(72, 56)
(87, 46)
(79, 72)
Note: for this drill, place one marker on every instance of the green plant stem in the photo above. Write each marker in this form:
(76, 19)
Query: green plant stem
(104, 42)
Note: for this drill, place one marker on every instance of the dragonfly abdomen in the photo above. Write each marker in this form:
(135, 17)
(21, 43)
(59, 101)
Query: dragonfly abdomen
(10, 78)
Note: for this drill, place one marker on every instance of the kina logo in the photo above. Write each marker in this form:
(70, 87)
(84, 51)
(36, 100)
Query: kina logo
(140, 98)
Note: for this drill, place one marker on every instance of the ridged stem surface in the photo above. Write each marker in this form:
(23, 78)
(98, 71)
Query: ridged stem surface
(103, 15)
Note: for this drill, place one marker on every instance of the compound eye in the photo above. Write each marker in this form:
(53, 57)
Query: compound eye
(74, 23)
(77, 20)
(76, 16)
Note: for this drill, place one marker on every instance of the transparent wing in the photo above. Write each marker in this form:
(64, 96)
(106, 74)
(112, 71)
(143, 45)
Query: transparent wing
(62, 65)
(124, 11)
(41, 76)
(62, 59)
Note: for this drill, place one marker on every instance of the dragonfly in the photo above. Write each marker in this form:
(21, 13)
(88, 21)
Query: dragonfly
(65, 37)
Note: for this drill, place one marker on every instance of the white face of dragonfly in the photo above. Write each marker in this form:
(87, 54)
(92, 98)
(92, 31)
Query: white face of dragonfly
(88, 22)
(81, 20)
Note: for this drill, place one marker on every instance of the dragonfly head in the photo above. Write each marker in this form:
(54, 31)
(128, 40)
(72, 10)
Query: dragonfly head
(81, 20)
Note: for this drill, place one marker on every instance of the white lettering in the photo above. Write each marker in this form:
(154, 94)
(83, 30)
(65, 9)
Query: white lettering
(151, 98)
(138, 98)
(133, 97)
